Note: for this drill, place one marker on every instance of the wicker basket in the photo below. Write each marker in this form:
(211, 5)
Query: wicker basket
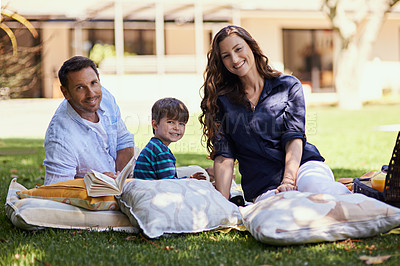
(392, 183)
(391, 192)
(360, 186)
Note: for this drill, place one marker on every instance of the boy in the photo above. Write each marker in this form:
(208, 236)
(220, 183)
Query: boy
(156, 161)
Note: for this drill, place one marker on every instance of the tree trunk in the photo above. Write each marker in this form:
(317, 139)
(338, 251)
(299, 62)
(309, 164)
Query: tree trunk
(347, 78)
(357, 29)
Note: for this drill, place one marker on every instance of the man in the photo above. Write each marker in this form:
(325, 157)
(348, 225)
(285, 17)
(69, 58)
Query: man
(86, 131)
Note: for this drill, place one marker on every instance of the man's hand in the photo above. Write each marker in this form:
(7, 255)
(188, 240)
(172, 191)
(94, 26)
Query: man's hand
(111, 174)
(198, 176)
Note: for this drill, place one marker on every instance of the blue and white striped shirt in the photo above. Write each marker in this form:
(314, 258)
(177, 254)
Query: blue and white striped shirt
(156, 161)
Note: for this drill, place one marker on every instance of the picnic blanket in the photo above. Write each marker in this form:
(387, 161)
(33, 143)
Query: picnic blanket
(172, 206)
(34, 214)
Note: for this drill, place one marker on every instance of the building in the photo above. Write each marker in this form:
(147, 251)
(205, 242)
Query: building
(153, 40)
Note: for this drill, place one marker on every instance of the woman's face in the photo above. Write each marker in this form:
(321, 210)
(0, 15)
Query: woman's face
(237, 55)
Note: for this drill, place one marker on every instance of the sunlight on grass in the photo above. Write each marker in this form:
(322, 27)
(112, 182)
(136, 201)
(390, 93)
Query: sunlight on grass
(27, 161)
(25, 254)
(349, 140)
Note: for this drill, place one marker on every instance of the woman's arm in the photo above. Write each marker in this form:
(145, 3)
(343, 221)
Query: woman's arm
(294, 151)
(223, 173)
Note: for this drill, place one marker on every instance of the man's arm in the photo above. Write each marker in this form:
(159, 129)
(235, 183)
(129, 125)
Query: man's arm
(125, 146)
(60, 163)
(123, 157)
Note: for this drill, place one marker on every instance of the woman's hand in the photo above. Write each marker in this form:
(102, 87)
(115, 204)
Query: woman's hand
(285, 187)
(288, 183)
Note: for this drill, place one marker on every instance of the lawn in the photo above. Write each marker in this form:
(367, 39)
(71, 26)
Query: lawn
(349, 140)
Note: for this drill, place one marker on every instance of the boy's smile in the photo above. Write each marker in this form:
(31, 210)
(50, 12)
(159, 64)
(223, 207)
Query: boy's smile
(168, 130)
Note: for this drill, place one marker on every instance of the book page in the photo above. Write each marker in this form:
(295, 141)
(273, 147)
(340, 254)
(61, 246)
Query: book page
(106, 179)
(120, 180)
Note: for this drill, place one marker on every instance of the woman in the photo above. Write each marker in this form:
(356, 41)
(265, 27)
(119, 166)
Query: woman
(256, 115)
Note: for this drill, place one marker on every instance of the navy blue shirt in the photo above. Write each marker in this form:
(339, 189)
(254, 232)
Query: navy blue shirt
(257, 138)
(155, 161)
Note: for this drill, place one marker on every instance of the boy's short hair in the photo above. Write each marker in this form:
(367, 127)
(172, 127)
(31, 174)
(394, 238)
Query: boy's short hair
(170, 108)
(74, 64)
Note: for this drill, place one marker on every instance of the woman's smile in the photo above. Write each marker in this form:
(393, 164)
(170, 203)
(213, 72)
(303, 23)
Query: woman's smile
(237, 56)
(239, 65)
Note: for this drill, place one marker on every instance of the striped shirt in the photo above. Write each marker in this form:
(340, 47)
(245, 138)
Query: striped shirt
(156, 161)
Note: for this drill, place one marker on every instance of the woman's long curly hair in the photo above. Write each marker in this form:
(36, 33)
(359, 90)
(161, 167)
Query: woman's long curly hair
(219, 81)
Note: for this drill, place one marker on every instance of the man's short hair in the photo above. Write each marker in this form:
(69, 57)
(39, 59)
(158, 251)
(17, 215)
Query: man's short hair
(170, 108)
(74, 64)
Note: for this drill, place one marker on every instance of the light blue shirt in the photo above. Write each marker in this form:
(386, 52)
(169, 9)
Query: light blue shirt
(73, 148)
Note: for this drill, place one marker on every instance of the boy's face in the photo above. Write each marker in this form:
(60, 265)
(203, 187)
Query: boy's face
(168, 130)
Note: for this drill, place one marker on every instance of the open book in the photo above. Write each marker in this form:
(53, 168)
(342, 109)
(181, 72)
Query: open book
(98, 184)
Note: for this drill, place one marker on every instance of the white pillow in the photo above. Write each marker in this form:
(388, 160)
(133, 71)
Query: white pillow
(177, 206)
(33, 214)
(296, 218)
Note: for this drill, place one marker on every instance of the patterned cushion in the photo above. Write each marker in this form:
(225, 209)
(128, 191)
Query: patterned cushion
(71, 192)
(296, 218)
(33, 214)
(177, 206)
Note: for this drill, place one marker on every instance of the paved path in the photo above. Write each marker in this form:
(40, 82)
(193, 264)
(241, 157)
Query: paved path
(29, 118)
(135, 95)
(26, 117)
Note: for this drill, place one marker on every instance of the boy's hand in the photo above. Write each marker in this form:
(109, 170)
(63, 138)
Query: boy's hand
(198, 176)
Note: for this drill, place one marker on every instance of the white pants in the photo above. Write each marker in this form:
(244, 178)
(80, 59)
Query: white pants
(314, 177)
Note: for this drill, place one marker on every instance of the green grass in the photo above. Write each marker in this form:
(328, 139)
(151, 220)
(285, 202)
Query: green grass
(347, 139)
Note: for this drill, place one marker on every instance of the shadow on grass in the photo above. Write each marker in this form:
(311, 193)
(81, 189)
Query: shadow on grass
(22, 159)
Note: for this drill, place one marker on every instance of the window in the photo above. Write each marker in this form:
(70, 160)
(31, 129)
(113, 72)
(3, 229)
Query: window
(308, 55)
(136, 41)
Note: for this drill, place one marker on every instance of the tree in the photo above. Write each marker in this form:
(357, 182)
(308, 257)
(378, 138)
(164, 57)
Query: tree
(19, 66)
(9, 32)
(357, 24)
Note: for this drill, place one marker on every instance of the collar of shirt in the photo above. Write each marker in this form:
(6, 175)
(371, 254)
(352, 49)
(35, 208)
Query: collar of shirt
(269, 84)
(77, 118)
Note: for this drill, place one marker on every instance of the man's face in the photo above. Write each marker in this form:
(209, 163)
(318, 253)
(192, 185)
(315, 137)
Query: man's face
(84, 92)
